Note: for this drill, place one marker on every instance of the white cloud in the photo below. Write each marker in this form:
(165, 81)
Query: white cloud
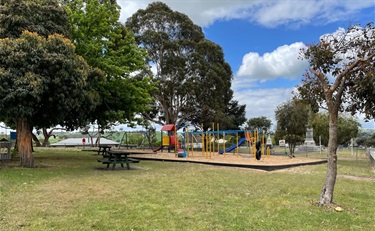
(263, 102)
(269, 13)
(282, 62)
(128, 8)
(366, 124)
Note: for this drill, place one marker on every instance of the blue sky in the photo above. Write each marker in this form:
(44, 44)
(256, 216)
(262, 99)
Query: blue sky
(261, 40)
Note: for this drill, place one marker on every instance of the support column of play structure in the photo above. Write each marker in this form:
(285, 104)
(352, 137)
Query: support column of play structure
(255, 141)
(249, 140)
(181, 146)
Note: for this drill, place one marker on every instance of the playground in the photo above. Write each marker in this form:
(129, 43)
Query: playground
(235, 148)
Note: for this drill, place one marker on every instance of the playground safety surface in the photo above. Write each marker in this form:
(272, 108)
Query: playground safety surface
(273, 162)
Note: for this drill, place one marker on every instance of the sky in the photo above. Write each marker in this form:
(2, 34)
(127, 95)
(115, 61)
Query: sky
(261, 40)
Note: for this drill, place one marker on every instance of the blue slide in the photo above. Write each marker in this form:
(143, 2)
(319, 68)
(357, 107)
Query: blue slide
(240, 142)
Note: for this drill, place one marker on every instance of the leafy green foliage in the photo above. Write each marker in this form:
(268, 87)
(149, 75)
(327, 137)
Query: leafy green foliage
(43, 17)
(262, 123)
(371, 142)
(341, 70)
(234, 116)
(193, 79)
(106, 44)
(292, 120)
(43, 83)
(43, 80)
(347, 128)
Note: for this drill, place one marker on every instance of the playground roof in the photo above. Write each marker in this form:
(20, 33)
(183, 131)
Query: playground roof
(168, 127)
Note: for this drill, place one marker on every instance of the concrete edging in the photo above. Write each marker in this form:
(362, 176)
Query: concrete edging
(253, 166)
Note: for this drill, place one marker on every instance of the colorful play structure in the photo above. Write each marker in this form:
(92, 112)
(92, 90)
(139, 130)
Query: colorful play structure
(188, 143)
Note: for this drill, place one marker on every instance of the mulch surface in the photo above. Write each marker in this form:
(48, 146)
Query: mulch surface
(272, 162)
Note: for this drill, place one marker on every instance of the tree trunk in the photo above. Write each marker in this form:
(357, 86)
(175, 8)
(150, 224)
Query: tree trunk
(36, 140)
(97, 143)
(46, 135)
(24, 138)
(326, 196)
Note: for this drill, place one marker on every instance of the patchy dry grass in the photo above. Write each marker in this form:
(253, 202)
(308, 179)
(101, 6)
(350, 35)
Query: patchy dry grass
(69, 191)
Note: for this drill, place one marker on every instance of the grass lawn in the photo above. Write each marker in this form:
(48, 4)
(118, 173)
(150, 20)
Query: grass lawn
(68, 191)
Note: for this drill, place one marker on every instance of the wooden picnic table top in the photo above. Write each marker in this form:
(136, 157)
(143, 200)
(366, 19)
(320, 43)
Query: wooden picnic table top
(128, 152)
(105, 146)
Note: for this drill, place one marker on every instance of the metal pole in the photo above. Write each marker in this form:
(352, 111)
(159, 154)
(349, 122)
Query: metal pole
(320, 144)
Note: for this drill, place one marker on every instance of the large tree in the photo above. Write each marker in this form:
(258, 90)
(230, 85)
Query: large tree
(347, 128)
(106, 44)
(234, 116)
(42, 83)
(193, 78)
(43, 17)
(292, 120)
(45, 83)
(340, 77)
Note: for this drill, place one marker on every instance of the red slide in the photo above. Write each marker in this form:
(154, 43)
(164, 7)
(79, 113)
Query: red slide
(157, 149)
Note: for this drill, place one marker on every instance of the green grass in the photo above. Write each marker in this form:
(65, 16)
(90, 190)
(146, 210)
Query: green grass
(67, 191)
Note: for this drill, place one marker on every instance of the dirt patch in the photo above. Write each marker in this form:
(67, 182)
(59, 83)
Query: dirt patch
(360, 178)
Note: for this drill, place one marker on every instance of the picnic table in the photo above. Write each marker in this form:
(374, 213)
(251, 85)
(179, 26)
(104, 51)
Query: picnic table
(119, 157)
(103, 149)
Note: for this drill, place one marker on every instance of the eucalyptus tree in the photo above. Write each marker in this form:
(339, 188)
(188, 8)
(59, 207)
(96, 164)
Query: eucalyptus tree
(340, 77)
(106, 44)
(192, 76)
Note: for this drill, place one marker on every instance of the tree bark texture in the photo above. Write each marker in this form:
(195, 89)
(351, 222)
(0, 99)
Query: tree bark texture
(36, 140)
(46, 135)
(24, 139)
(326, 196)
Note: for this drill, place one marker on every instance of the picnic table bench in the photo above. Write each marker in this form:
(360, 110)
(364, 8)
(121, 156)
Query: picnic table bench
(119, 157)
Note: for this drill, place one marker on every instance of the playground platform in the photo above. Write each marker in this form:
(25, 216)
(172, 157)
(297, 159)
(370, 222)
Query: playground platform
(274, 162)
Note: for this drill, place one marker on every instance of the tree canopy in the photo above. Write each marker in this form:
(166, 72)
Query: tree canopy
(292, 120)
(340, 77)
(262, 123)
(234, 116)
(43, 82)
(347, 128)
(106, 44)
(42, 17)
(193, 78)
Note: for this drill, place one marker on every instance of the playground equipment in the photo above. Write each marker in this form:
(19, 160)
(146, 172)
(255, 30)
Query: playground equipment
(168, 137)
(191, 143)
(239, 143)
(138, 139)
